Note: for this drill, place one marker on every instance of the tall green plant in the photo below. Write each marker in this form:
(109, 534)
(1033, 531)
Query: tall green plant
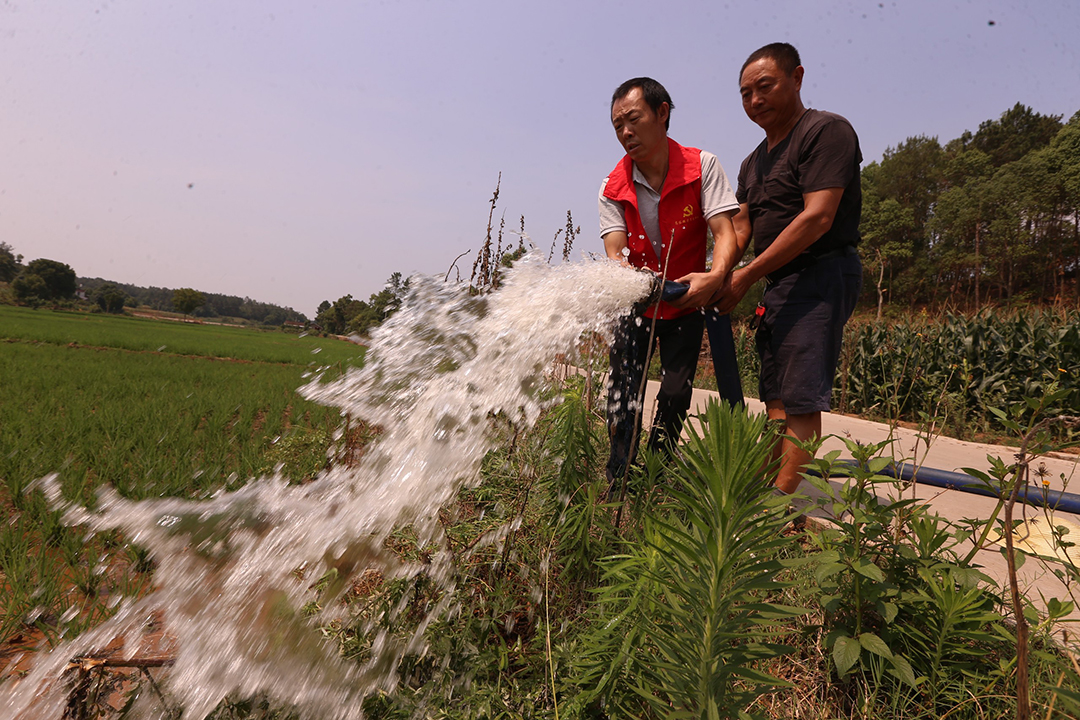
(580, 527)
(905, 615)
(682, 624)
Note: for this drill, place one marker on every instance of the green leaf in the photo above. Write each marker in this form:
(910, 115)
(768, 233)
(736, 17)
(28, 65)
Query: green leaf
(876, 465)
(1070, 696)
(845, 653)
(873, 644)
(888, 611)
(760, 677)
(1057, 609)
(1020, 558)
(831, 555)
(830, 603)
(828, 570)
(774, 611)
(868, 569)
(902, 669)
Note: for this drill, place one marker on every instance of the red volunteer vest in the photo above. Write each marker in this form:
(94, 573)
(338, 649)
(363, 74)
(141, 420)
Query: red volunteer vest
(680, 211)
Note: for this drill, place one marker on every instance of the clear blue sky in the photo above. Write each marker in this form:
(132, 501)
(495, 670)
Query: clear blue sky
(298, 151)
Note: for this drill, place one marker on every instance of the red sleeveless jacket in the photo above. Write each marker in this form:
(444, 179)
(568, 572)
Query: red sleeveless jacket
(680, 211)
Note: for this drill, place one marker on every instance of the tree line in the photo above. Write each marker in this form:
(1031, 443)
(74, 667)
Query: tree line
(989, 217)
(44, 281)
(214, 305)
(348, 315)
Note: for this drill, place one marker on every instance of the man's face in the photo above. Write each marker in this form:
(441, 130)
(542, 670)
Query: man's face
(640, 130)
(770, 96)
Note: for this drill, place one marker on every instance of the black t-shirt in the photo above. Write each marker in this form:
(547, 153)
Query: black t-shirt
(820, 152)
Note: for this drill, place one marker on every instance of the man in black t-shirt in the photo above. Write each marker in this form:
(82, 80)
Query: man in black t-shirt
(800, 200)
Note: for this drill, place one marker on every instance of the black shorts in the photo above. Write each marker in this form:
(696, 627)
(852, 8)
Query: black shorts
(800, 334)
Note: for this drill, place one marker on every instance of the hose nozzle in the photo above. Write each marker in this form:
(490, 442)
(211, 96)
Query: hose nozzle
(666, 290)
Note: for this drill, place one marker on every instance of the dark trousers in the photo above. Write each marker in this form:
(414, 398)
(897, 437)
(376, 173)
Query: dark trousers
(725, 362)
(680, 345)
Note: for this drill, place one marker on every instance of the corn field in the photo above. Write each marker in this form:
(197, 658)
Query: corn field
(953, 367)
(956, 368)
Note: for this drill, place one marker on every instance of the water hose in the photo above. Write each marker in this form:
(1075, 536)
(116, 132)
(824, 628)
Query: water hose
(1039, 497)
(660, 290)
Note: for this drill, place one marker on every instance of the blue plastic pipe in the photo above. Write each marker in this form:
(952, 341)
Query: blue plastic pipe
(1039, 497)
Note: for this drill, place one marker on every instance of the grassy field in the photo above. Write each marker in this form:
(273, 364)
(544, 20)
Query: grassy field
(176, 338)
(153, 408)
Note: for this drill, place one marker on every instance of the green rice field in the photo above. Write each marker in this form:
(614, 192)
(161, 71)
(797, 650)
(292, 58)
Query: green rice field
(152, 408)
(174, 338)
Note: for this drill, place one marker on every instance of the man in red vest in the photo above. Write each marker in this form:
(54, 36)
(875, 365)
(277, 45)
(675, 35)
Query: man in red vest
(656, 207)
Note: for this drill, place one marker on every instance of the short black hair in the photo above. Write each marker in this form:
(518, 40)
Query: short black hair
(784, 54)
(653, 92)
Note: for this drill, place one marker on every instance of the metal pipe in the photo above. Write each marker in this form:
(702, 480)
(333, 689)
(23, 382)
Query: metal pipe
(1039, 497)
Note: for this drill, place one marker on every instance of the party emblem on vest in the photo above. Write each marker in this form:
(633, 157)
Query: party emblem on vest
(688, 212)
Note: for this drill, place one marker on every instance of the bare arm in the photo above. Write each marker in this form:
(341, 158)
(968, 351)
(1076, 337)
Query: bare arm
(743, 228)
(819, 210)
(726, 254)
(615, 243)
(726, 249)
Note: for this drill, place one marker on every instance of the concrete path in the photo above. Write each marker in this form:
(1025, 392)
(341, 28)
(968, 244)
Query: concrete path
(942, 453)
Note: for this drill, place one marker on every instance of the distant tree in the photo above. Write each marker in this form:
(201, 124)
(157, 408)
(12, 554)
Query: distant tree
(911, 174)
(110, 298)
(59, 278)
(1067, 146)
(388, 300)
(10, 263)
(380, 305)
(1066, 151)
(185, 300)
(329, 316)
(961, 220)
(993, 216)
(347, 314)
(30, 289)
(337, 318)
(1017, 132)
(367, 318)
(886, 233)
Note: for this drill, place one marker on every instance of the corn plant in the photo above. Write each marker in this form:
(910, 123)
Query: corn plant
(960, 366)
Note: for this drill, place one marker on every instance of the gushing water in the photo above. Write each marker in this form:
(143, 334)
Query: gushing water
(230, 585)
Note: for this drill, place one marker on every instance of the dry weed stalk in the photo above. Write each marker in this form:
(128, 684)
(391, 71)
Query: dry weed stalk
(1020, 476)
(482, 268)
